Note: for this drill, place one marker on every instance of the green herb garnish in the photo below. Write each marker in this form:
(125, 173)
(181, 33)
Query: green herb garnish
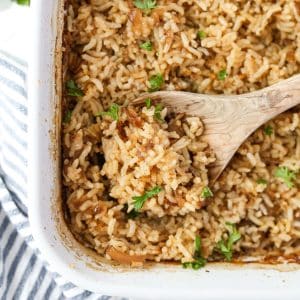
(147, 46)
(139, 201)
(199, 261)
(112, 112)
(148, 103)
(23, 2)
(197, 244)
(156, 82)
(67, 117)
(157, 112)
(145, 4)
(268, 130)
(201, 34)
(286, 175)
(195, 265)
(222, 75)
(206, 192)
(73, 89)
(262, 181)
(226, 247)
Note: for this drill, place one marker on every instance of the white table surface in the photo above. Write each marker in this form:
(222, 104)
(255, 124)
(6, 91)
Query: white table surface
(14, 29)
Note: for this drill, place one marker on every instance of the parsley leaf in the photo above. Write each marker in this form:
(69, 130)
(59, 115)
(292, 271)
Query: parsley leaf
(113, 112)
(286, 175)
(156, 82)
(225, 250)
(262, 181)
(145, 4)
(222, 74)
(147, 46)
(23, 2)
(157, 112)
(199, 261)
(73, 89)
(268, 130)
(139, 201)
(67, 117)
(201, 34)
(198, 244)
(226, 247)
(195, 265)
(206, 192)
(148, 103)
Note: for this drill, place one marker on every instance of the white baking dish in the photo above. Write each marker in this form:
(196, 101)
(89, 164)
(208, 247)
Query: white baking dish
(65, 256)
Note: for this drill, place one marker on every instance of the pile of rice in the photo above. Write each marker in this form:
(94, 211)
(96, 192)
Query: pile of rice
(141, 153)
(256, 43)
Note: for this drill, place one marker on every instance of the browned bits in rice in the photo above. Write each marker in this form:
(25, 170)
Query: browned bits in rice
(106, 162)
(150, 156)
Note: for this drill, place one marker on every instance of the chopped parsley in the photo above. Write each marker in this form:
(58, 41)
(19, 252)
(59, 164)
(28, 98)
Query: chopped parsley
(206, 192)
(157, 112)
(222, 74)
(23, 2)
(73, 89)
(148, 103)
(67, 117)
(147, 46)
(195, 265)
(112, 112)
(199, 260)
(262, 181)
(268, 130)
(225, 247)
(139, 201)
(146, 5)
(201, 34)
(156, 82)
(286, 175)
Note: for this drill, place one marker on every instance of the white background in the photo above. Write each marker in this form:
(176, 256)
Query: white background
(14, 29)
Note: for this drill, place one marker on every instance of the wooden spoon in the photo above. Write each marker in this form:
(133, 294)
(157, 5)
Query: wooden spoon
(229, 120)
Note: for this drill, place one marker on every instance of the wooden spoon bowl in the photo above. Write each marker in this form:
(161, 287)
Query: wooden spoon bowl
(230, 119)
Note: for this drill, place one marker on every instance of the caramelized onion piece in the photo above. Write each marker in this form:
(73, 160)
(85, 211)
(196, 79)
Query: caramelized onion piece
(133, 118)
(136, 17)
(121, 130)
(124, 258)
(157, 15)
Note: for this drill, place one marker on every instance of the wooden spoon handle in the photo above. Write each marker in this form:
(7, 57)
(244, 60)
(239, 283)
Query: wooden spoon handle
(229, 120)
(242, 115)
(256, 106)
(267, 103)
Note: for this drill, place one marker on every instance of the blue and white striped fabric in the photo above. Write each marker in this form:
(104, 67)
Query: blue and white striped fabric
(23, 273)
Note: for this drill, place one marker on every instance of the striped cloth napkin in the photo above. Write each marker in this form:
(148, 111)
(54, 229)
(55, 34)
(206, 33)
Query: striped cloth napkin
(23, 272)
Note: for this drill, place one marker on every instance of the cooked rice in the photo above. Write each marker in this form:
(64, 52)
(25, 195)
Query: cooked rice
(258, 44)
(141, 153)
